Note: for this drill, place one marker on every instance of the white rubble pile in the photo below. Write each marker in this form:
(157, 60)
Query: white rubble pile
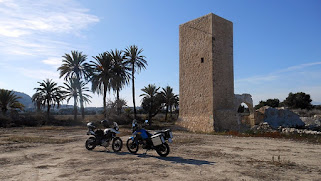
(280, 117)
(299, 131)
(312, 122)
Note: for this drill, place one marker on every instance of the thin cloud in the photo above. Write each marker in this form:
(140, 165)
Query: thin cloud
(276, 74)
(258, 79)
(298, 67)
(31, 27)
(55, 61)
(41, 74)
(27, 17)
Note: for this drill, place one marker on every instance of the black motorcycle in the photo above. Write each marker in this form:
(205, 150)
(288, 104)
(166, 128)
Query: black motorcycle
(149, 141)
(103, 137)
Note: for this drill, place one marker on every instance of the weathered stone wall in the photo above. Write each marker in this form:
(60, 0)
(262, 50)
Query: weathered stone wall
(196, 91)
(206, 74)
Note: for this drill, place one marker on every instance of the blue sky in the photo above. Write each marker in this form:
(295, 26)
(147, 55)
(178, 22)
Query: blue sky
(277, 44)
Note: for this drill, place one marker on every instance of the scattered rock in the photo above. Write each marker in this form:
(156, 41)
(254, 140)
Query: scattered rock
(263, 127)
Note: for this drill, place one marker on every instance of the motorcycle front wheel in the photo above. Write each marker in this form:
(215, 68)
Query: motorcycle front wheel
(90, 143)
(117, 144)
(162, 150)
(132, 146)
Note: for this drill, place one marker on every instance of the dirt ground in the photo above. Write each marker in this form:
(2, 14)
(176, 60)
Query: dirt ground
(58, 153)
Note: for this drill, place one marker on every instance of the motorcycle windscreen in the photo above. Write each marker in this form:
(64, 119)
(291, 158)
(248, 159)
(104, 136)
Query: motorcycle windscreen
(143, 133)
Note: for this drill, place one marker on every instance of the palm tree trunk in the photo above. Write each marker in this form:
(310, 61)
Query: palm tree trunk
(81, 103)
(81, 99)
(133, 86)
(166, 112)
(118, 103)
(104, 101)
(38, 106)
(48, 111)
(75, 108)
(48, 108)
(4, 110)
(150, 111)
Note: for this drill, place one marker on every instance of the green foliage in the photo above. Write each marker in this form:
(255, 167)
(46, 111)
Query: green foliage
(8, 100)
(50, 94)
(269, 102)
(73, 87)
(298, 100)
(171, 99)
(101, 75)
(74, 66)
(113, 106)
(152, 101)
(121, 74)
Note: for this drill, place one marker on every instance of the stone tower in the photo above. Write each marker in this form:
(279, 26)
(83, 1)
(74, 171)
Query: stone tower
(206, 74)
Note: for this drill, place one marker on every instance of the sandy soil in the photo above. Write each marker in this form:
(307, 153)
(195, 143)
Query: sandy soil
(55, 153)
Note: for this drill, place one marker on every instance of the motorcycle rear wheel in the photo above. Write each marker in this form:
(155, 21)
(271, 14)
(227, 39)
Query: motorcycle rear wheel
(90, 143)
(117, 144)
(163, 150)
(132, 146)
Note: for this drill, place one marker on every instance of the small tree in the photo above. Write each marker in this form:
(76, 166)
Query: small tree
(170, 99)
(299, 100)
(269, 102)
(152, 101)
(37, 100)
(8, 100)
(51, 94)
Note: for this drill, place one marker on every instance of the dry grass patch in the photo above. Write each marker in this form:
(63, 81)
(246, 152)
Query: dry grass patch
(33, 139)
(187, 140)
(60, 128)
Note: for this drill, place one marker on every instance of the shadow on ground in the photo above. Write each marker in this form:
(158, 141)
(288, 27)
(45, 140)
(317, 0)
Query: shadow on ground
(172, 159)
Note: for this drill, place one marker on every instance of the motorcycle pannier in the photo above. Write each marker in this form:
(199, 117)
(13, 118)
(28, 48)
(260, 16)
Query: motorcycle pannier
(157, 139)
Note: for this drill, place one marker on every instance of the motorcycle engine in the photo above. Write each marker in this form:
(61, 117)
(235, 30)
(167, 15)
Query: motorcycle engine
(105, 142)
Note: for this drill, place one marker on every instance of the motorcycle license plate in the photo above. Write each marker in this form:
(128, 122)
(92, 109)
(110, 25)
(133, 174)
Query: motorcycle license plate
(170, 140)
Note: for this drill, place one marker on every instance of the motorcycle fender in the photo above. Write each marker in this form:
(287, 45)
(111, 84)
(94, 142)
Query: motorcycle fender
(90, 133)
(132, 137)
(113, 130)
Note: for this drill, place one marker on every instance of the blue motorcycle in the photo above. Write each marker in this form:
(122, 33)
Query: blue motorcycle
(157, 141)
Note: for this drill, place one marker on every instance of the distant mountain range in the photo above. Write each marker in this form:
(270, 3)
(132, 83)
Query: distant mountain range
(25, 99)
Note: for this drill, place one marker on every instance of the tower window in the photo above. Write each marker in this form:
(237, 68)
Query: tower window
(202, 60)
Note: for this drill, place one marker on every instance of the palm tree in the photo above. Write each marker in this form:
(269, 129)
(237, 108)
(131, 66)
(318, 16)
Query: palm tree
(8, 100)
(136, 62)
(150, 96)
(121, 74)
(101, 74)
(72, 91)
(37, 99)
(74, 65)
(169, 98)
(51, 94)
